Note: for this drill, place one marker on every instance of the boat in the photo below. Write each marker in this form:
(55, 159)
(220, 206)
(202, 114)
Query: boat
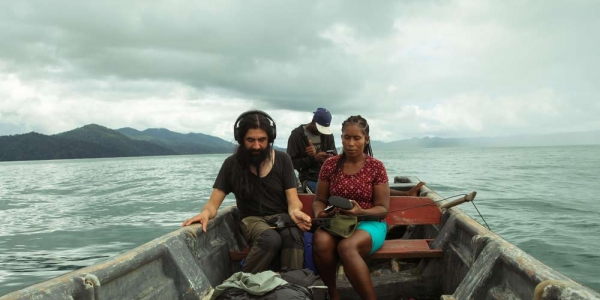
(468, 262)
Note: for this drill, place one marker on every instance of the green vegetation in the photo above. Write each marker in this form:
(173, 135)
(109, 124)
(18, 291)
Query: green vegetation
(95, 141)
(191, 143)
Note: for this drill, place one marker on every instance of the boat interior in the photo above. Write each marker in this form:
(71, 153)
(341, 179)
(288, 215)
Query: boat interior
(454, 258)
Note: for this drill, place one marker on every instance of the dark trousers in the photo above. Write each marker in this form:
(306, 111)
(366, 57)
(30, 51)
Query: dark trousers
(267, 243)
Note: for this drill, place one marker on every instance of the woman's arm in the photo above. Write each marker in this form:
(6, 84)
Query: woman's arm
(381, 197)
(321, 199)
(381, 204)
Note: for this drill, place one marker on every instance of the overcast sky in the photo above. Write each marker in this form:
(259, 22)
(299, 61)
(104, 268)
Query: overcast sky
(412, 68)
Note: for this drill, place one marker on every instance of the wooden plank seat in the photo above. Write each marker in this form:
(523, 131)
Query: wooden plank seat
(403, 210)
(406, 249)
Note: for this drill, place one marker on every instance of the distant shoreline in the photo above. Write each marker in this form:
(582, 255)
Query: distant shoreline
(96, 141)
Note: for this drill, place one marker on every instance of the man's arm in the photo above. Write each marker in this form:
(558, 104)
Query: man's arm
(295, 209)
(209, 210)
(330, 143)
(296, 149)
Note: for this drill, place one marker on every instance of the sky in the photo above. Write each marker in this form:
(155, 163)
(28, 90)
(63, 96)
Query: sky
(453, 69)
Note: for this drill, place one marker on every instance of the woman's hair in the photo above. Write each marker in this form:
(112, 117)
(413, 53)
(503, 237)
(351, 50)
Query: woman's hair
(241, 169)
(364, 127)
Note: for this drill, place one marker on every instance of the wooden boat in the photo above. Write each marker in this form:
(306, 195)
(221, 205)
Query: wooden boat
(468, 262)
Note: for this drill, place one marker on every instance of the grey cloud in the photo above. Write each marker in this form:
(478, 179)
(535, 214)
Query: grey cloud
(277, 55)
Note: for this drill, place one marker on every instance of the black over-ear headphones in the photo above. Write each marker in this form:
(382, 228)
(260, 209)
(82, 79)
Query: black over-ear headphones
(236, 127)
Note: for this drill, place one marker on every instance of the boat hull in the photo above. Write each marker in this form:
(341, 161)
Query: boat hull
(188, 263)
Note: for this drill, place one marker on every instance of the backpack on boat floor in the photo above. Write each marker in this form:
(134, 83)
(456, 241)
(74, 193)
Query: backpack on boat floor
(296, 288)
(301, 277)
(289, 291)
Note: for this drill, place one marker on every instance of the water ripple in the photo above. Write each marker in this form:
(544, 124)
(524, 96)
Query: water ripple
(62, 215)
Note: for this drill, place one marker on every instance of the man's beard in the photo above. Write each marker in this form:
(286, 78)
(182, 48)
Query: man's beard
(257, 157)
(253, 157)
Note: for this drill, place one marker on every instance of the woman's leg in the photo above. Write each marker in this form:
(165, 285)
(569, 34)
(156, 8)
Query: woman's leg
(324, 247)
(352, 252)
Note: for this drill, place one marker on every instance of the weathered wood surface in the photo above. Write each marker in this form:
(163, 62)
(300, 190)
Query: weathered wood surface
(188, 263)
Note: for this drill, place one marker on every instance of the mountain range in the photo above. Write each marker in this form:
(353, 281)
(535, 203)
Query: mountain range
(95, 141)
(532, 140)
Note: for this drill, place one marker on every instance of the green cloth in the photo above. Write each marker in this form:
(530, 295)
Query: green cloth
(342, 225)
(255, 284)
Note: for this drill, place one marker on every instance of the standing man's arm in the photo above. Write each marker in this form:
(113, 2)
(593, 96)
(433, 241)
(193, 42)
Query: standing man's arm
(296, 149)
(330, 143)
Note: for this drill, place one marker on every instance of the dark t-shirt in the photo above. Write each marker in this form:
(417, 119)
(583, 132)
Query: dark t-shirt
(268, 198)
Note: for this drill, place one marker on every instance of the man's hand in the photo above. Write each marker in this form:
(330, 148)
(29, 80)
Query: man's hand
(311, 150)
(322, 156)
(301, 219)
(201, 218)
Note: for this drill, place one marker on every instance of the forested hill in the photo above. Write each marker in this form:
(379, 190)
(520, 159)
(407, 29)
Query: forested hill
(191, 143)
(95, 141)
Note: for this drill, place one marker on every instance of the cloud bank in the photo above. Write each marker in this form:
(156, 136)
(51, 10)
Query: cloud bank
(412, 68)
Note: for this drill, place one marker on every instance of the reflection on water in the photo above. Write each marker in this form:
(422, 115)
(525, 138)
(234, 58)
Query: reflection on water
(34, 262)
(59, 216)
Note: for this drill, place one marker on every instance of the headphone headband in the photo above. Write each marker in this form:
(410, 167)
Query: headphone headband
(272, 126)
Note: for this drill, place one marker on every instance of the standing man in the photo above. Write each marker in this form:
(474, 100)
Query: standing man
(309, 146)
(264, 184)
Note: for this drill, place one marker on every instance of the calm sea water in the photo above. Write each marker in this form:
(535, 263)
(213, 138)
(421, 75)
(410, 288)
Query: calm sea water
(58, 216)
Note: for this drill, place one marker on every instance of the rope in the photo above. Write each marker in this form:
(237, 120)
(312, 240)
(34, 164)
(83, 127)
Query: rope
(486, 224)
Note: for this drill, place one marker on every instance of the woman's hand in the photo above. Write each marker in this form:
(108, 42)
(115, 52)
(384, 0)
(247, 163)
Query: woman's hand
(301, 219)
(327, 214)
(201, 218)
(356, 210)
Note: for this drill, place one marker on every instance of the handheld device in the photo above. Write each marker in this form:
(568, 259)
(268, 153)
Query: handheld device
(330, 152)
(340, 202)
(328, 208)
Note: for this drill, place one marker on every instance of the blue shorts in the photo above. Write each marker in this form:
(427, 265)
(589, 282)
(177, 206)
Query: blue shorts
(377, 230)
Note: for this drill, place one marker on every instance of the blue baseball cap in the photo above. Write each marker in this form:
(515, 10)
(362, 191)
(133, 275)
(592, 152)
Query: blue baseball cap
(322, 118)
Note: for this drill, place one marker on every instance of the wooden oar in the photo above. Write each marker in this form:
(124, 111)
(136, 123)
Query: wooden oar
(466, 198)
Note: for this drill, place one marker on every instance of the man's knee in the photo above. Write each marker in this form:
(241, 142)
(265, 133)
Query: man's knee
(269, 240)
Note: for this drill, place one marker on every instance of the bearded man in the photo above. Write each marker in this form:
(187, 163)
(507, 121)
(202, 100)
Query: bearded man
(264, 184)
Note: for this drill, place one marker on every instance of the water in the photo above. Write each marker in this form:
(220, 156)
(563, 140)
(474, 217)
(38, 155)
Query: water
(58, 216)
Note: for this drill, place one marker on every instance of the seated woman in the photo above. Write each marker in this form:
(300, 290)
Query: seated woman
(357, 176)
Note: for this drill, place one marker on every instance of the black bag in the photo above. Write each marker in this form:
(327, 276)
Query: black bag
(281, 221)
(302, 277)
